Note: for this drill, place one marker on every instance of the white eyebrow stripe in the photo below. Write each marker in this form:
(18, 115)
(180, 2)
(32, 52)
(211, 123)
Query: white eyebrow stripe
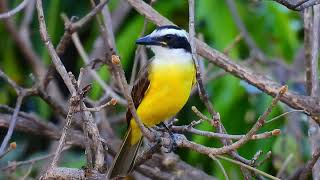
(163, 32)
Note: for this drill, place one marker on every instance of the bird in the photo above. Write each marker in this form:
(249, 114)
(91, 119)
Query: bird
(160, 92)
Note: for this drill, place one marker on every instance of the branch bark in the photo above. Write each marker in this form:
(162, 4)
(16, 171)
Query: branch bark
(15, 10)
(311, 40)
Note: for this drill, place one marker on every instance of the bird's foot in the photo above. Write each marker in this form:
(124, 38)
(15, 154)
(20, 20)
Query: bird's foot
(173, 144)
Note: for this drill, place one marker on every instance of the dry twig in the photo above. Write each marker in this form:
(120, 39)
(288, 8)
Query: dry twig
(22, 93)
(15, 10)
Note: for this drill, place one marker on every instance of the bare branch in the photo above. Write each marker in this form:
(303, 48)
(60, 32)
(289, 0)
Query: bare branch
(15, 10)
(265, 158)
(221, 167)
(189, 129)
(72, 27)
(284, 165)
(244, 32)
(214, 151)
(99, 108)
(12, 123)
(236, 40)
(284, 114)
(53, 54)
(108, 90)
(74, 102)
(72, 173)
(249, 167)
(311, 39)
(139, 50)
(15, 164)
(13, 84)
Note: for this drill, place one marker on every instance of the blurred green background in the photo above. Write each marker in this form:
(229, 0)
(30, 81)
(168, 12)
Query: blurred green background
(277, 31)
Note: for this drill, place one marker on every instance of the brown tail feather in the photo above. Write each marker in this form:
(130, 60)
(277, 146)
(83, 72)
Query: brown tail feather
(125, 158)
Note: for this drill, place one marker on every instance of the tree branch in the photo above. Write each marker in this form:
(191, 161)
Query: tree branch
(15, 10)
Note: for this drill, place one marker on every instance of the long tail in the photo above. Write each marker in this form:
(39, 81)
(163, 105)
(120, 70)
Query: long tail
(125, 158)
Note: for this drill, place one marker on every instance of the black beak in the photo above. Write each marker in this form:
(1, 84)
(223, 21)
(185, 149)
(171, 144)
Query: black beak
(147, 40)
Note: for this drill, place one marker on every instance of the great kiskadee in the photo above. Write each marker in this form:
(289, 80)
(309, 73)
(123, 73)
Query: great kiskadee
(162, 89)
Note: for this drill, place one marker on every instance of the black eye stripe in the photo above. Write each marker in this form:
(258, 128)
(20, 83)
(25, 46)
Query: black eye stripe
(168, 36)
(174, 41)
(177, 42)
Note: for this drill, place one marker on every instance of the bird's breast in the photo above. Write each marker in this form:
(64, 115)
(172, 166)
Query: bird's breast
(170, 87)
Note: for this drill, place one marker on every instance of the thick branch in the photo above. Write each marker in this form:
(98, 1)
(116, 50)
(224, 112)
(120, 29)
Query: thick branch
(311, 40)
(72, 173)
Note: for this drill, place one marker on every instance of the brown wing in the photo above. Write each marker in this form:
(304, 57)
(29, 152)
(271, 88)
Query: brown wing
(139, 89)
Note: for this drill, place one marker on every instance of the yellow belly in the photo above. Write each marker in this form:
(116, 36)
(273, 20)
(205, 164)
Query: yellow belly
(169, 90)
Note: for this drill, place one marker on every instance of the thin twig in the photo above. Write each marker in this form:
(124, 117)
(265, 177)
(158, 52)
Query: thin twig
(108, 90)
(99, 108)
(106, 33)
(188, 129)
(284, 165)
(182, 142)
(248, 167)
(15, 10)
(72, 109)
(256, 157)
(27, 19)
(12, 122)
(265, 158)
(261, 120)
(13, 84)
(236, 40)
(139, 50)
(284, 114)
(88, 17)
(247, 38)
(72, 27)
(14, 164)
(53, 54)
(226, 177)
(27, 173)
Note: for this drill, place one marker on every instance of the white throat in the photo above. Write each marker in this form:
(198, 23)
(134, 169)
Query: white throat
(165, 55)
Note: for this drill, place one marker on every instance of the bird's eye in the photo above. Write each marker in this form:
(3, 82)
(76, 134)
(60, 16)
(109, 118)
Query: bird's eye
(168, 37)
